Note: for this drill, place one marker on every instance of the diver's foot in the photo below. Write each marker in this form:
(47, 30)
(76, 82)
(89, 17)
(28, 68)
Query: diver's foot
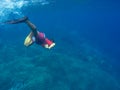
(23, 19)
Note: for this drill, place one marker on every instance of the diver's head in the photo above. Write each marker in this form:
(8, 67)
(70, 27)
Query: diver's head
(52, 40)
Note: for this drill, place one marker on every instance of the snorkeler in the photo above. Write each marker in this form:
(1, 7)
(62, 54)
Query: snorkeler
(34, 36)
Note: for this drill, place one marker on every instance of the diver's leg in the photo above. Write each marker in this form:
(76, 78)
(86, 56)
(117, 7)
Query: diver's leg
(32, 27)
(24, 20)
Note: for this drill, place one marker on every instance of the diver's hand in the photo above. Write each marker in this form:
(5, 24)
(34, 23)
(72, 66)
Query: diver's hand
(49, 47)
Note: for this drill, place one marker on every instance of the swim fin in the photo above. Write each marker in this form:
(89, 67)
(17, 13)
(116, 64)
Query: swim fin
(29, 41)
(16, 21)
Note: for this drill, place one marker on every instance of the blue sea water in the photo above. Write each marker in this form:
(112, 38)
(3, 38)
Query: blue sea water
(86, 55)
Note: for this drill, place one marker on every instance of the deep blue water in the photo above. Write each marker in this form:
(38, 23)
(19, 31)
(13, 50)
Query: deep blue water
(91, 24)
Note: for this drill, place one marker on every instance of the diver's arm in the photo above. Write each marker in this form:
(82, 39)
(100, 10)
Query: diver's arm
(32, 27)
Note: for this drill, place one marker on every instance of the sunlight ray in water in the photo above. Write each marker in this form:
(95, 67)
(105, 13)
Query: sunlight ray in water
(14, 7)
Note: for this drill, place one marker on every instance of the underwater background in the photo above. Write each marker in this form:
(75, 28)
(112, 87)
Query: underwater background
(87, 51)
